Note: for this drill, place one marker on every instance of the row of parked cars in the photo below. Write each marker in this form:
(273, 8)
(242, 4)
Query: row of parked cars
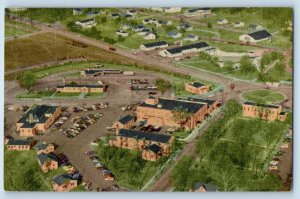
(72, 172)
(98, 106)
(64, 117)
(80, 123)
(18, 108)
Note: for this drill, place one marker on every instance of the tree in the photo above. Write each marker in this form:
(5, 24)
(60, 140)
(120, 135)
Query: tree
(181, 115)
(162, 85)
(246, 66)
(27, 80)
(209, 25)
(180, 173)
(103, 19)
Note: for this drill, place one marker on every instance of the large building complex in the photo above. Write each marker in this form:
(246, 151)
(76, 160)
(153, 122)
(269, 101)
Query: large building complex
(162, 111)
(264, 111)
(153, 145)
(81, 88)
(38, 119)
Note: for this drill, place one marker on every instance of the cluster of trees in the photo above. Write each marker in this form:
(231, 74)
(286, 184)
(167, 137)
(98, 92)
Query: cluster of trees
(246, 66)
(235, 164)
(268, 58)
(162, 85)
(27, 80)
(207, 57)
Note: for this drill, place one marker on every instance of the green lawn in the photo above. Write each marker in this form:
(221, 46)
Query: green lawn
(94, 95)
(22, 172)
(263, 96)
(59, 94)
(181, 134)
(35, 94)
(14, 28)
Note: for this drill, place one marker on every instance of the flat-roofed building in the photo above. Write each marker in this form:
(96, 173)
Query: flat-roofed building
(257, 36)
(81, 88)
(196, 87)
(180, 51)
(264, 111)
(47, 161)
(98, 71)
(154, 45)
(19, 145)
(38, 119)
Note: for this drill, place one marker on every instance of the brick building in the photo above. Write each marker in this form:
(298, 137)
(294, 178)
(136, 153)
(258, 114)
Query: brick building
(38, 119)
(196, 87)
(144, 141)
(203, 187)
(264, 111)
(77, 88)
(160, 112)
(125, 122)
(43, 147)
(19, 145)
(63, 183)
(47, 161)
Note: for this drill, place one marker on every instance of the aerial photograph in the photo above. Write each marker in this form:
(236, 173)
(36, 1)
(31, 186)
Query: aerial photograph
(153, 99)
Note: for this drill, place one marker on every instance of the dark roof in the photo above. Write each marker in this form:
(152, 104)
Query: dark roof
(43, 157)
(207, 101)
(144, 135)
(262, 105)
(207, 187)
(61, 179)
(163, 22)
(172, 104)
(115, 14)
(93, 71)
(154, 148)
(185, 25)
(126, 119)
(86, 20)
(173, 33)
(138, 27)
(197, 84)
(262, 34)
(37, 114)
(18, 142)
(93, 12)
(153, 44)
(195, 45)
(41, 146)
(81, 85)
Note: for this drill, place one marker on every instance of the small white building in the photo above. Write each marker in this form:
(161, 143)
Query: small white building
(211, 51)
(154, 45)
(87, 23)
(222, 21)
(172, 9)
(77, 11)
(179, 51)
(174, 34)
(126, 27)
(144, 31)
(132, 12)
(254, 27)
(93, 13)
(238, 24)
(149, 36)
(254, 37)
(160, 9)
(122, 33)
(198, 12)
(163, 22)
(185, 26)
(191, 38)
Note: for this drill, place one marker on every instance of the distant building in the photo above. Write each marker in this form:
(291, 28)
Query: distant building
(87, 23)
(160, 9)
(149, 21)
(47, 161)
(203, 187)
(17, 9)
(132, 12)
(196, 88)
(172, 9)
(138, 28)
(163, 22)
(97, 72)
(185, 26)
(93, 14)
(179, 51)
(63, 183)
(222, 21)
(81, 88)
(154, 45)
(174, 34)
(143, 141)
(122, 33)
(126, 26)
(254, 27)
(191, 37)
(38, 119)
(149, 36)
(43, 147)
(19, 145)
(144, 31)
(77, 11)
(125, 122)
(239, 24)
(254, 37)
(115, 15)
(198, 12)
(263, 111)
(211, 104)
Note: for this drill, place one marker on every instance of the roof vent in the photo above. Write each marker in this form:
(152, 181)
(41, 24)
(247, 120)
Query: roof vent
(159, 106)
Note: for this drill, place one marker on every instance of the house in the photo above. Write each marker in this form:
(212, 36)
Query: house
(264, 111)
(211, 51)
(81, 88)
(211, 104)
(149, 36)
(160, 9)
(174, 34)
(63, 183)
(124, 123)
(87, 23)
(238, 24)
(92, 13)
(144, 31)
(152, 152)
(172, 9)
(138, 28)
(47, 161)
(203, 187)
(257, 36)
(115, 15)
(132, 12)
(38, 119)
(161, 112)
(77, 11)
(163, 22)
(126, 26)
(43, 147)
(254, 27)
(139, 141)
(196, 88)
(180, 51)
(97, 71)
(19, 145)
(198, 12)
(149, 21)
(153, 45)
(185, 26)
(122, 33)
(222, 21)
(128, 16)
(191, 37)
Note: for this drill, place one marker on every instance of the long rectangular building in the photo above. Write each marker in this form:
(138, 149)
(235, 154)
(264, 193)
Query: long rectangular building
(73, 88)
(180, 51)
(100, 71)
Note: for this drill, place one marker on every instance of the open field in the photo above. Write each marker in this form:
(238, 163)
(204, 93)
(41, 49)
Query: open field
(263, 96)
(14, 28)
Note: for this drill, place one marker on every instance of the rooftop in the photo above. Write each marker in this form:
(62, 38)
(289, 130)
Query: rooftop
(129, 133)
(197, 84)
(207, 187)
(43, 157)
(41, 146)
(18, 142)
(262, 34)
(126, 119)
(61, 179)
(262, 105)
(93, 71)
(81, 85)
(153, 44)
(172, 104)
(154, 148)
(191, 46)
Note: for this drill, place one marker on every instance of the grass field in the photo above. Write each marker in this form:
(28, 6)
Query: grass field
(36, 94)
(22, 172)
(50, 47)
(59, 94)
(14, 28)
(263, 96)
(94, 95)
